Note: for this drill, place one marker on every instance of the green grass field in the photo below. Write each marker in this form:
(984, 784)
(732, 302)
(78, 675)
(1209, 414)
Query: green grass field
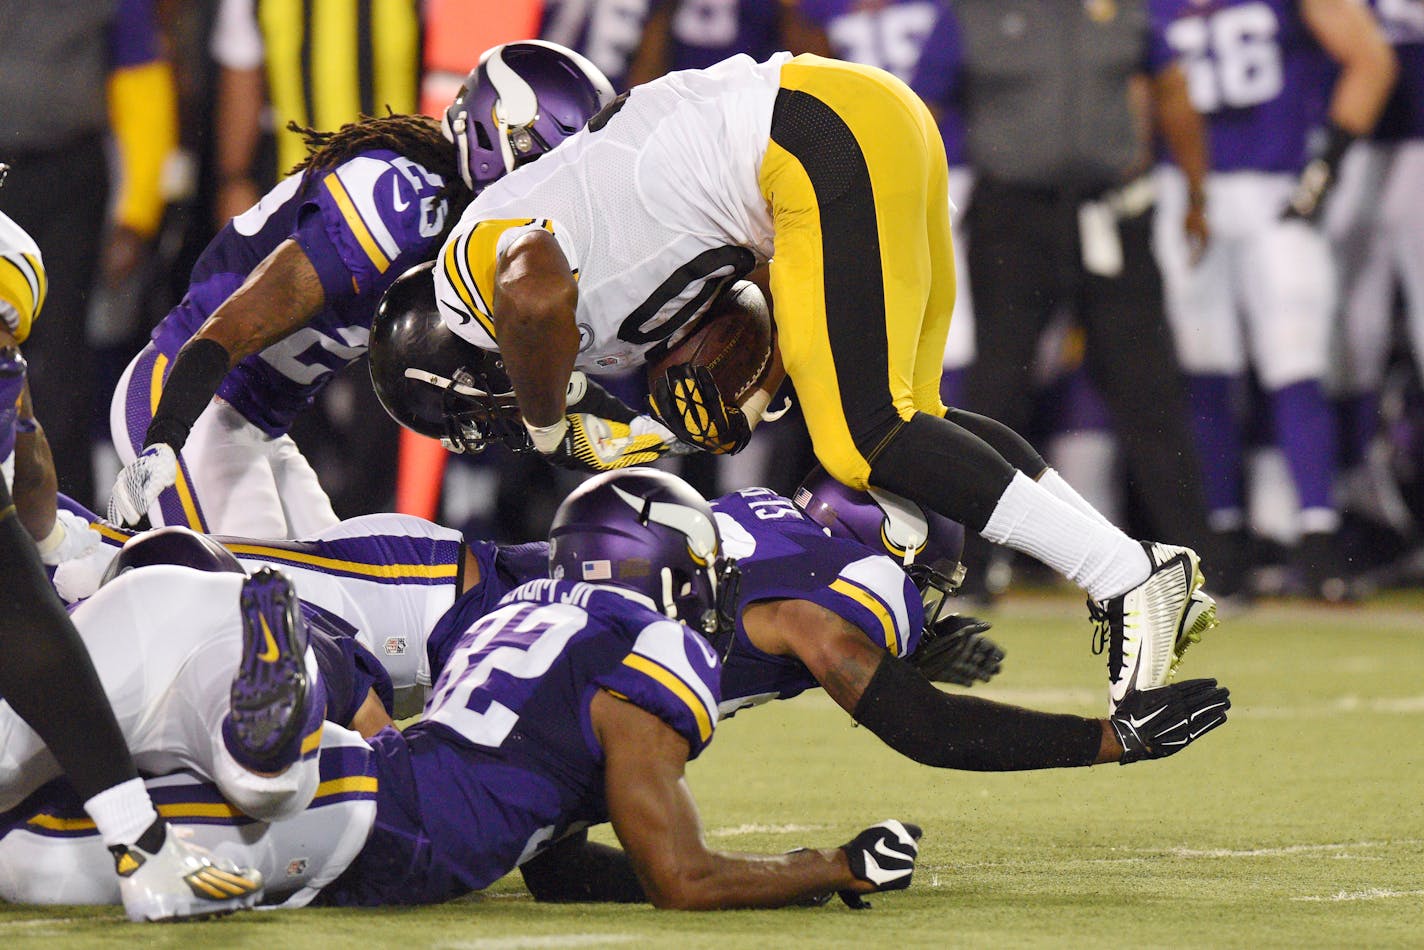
(1298, 824)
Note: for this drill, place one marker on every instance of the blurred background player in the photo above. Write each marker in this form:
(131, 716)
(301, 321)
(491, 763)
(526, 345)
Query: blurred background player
(46, 676)
(1061, 217)
(1262, 297)
(87, 82)
(1372, 218)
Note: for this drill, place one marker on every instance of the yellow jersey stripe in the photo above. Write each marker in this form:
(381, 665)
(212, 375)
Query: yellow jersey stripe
(871, 603)
(18, 290)
(356, 224)
(396, 55)
(334, 81)
(675, 686)
(350, 567)
(311, 741)
(34, 261)
(283, 33)
(347, 785)
(451, 267)
(108, 531)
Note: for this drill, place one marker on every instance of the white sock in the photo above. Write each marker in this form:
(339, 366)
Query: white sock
(1059, 488)
(122, 813)
(1092, 553)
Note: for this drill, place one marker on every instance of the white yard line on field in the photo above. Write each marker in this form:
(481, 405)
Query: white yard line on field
(762, 830)
(1369, 894)
(533, 942)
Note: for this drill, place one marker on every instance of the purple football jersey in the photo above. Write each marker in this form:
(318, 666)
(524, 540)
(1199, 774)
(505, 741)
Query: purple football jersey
(702, 33)
(904, 37)
(784, 555)
(1403, 24)
(361, 224)
(502, 569)
(936, 80)
(505, 760)
(1254, 71)
(606, 31)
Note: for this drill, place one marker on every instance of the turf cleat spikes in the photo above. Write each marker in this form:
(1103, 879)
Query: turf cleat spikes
(270, 689)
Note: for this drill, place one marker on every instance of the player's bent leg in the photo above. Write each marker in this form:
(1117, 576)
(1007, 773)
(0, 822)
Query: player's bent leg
(227, 456)
(134, 402)
(52, 855)
(304, 502)
(274, 723)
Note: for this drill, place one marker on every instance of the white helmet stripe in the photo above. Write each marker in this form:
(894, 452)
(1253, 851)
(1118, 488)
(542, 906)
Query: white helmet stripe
(700, 531)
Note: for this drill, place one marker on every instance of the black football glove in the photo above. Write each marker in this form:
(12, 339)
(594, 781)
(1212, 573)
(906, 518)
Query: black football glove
(1319, 176)
(1154, 723)
(882, 855)
(956, 651)
(686, 399)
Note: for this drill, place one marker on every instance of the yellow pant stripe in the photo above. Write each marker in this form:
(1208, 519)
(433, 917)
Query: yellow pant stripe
(822, 340)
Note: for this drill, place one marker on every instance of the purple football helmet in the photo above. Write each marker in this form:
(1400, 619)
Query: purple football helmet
(927, 545)
(173, 544)
(649, 532)
(520, 101)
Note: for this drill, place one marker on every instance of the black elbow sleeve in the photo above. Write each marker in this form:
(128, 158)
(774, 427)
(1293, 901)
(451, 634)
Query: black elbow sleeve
(953, 731)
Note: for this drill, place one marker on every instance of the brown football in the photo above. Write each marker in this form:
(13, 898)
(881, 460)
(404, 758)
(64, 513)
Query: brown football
(734, 341)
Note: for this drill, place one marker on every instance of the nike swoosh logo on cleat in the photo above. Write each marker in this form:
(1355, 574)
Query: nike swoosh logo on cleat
(270, 653)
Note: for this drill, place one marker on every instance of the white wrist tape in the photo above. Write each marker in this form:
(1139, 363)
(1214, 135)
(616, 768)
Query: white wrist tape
(51, 542)
(547, 438)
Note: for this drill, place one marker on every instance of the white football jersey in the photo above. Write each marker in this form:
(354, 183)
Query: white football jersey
(656, 210)
(23, 283)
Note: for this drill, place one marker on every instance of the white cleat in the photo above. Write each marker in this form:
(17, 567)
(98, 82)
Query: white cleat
(182, 879)
(1147, 630)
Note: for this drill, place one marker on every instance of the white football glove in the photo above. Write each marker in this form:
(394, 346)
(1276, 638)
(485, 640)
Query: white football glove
(140, 483)
(79, 577)
(71, 538)
(647, 425)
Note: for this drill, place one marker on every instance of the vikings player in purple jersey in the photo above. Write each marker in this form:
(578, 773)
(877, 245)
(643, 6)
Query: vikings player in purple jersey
(606, 31)
(1262, 296)
(573, 703)
(283, 298)
(695, 34)
(1373, 221)
(279, 301)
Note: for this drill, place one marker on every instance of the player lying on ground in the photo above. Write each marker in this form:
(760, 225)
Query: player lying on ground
(572, 704)
(817, 610)
(46, 677)
(206, 671)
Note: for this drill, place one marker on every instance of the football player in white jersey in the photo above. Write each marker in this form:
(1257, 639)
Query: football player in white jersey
(610, 247)
(47, 680)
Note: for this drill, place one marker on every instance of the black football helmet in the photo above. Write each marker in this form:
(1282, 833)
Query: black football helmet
(435, 383)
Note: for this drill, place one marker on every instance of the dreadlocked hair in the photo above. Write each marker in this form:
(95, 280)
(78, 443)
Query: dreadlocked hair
(417, 137)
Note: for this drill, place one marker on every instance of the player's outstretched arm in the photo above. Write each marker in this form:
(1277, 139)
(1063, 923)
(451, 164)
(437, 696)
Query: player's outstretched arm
(535, 296)
(894, 700)
(656, 820)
